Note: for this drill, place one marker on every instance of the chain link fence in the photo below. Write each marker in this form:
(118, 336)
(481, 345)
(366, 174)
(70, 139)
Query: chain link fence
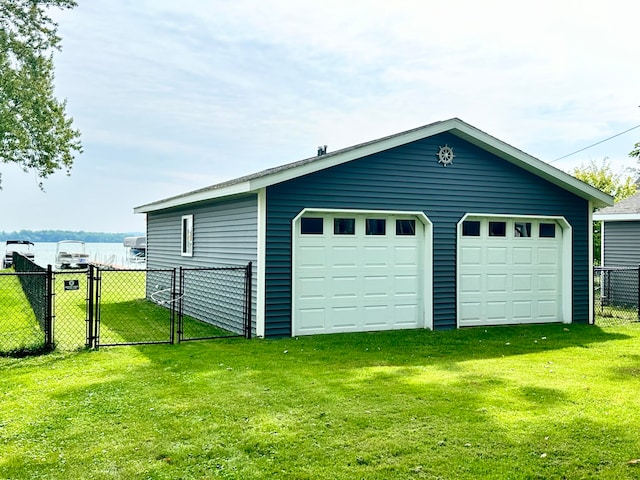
(214, 302)
(616, 295)
(41, 309)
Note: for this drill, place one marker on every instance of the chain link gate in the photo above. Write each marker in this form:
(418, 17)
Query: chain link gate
(131, 307)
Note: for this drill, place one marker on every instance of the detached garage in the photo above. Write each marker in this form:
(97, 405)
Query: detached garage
(438, 227)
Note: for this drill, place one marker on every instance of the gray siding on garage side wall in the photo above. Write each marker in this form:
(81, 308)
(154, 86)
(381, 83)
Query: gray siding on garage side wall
(621, 243)
(409, 177)
(225, 233)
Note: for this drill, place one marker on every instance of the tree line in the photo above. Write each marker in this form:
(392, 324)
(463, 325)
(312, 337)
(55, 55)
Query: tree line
(57, 235)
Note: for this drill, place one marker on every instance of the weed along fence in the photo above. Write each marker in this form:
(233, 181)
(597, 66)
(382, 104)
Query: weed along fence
(616, 295)
(42, 309)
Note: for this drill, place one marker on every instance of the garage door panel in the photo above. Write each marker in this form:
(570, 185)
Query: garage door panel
(405, 256)
(470, 283)
(312, 320)
(471, 313)
(345, 287)
(509, 279)
(344, 256)
(548, 283)
(312, 257)
(548, 310)
(522, 283)
(312, 288)
(375, 256)
(344, 317)
(522, 310)
(496, 310)
(404, 315)
(471, 255)
(496, 283)
(548, 255)
(376, 286)
(377, 315)
(496, 255)
(406, 285)
(522, 255)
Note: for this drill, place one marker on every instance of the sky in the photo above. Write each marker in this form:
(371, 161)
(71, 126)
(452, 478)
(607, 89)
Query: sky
(171, 96)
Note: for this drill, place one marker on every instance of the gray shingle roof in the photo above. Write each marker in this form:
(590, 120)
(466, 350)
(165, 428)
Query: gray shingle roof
(628, 205)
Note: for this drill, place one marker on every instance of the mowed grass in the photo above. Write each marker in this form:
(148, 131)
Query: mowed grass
(19, 328)
(543, 401)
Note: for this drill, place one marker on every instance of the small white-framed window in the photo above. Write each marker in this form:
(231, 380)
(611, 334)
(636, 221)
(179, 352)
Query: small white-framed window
(187, 236)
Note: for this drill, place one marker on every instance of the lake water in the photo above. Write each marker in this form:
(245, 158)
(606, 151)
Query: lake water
(112, 253)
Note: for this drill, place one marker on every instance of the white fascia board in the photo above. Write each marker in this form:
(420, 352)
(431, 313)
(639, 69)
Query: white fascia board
(194, 197)
(621, 217)
(531, 164)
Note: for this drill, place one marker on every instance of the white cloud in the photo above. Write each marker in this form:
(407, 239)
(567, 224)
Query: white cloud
(178, 94)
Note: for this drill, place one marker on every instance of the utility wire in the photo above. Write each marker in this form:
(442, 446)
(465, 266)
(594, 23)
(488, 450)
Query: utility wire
(597, 143)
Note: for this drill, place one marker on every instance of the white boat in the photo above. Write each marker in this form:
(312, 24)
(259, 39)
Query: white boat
(71, 254)
(23, 247)
(137, 249)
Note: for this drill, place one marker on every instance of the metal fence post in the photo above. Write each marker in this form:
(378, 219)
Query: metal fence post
(638, 289)
(172, 335)
(247, 286)
(48, 321)
(90, 299)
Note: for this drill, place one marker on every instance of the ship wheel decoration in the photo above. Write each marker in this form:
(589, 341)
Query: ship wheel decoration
(445, 155)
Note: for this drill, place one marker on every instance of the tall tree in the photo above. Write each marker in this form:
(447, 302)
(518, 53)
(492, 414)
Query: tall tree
(636, 151)
(618, 185)
(35, 131)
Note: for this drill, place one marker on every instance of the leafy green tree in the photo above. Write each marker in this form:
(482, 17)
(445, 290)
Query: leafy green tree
(618, 185)
(636, 151)
(35, 131)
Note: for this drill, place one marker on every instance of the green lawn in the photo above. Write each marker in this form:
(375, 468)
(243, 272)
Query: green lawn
(545, 401)
(19, 328)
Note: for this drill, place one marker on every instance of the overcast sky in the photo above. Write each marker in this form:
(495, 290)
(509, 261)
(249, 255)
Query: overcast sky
(171, 96)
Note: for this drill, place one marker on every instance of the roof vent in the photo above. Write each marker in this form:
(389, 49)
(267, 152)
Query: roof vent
(322, 150)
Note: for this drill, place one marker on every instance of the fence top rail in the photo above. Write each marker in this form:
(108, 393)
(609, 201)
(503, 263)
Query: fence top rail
(238, 267)
(112, 269)
(608, 269)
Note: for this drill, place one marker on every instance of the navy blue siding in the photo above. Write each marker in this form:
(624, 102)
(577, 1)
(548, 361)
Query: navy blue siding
(410, 178)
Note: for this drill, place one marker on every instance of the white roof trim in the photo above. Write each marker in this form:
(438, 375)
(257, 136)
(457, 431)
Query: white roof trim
(456, 126)
(621, 217)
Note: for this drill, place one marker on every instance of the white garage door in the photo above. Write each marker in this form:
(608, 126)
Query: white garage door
(357, 272)
(509, 271)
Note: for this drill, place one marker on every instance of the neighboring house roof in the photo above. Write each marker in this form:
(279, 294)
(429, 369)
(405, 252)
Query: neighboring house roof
(627, 209)
(455, 126)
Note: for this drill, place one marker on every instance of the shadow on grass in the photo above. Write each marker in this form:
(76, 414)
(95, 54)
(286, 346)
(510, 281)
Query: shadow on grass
(143, 321)
(409, 404)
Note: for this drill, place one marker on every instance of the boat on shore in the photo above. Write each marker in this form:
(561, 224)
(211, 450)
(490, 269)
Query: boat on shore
(71, 254)
(136, 249)
(23, 247)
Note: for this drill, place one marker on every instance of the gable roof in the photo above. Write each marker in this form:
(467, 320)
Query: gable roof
(627, 209)
(455, 126)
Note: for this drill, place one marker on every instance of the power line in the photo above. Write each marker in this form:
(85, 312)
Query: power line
(597, 143)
